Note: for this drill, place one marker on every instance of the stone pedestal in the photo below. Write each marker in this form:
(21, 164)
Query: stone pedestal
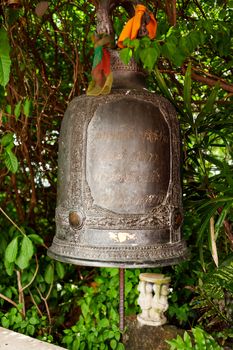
(154, 290)
(142, 337)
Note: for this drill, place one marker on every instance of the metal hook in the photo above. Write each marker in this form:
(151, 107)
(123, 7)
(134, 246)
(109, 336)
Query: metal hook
(104, 14)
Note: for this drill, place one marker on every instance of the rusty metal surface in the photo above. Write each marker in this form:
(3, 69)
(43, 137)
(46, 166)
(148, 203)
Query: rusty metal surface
(122, 299)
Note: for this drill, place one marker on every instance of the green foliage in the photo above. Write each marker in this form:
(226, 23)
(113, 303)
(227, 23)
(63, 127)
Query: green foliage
(144, 49)
(49, 273)
(60, 269)
(8, 156)
(200, 144)
(12, 250)
(202, 341)
(49, 57)
(5, 61)
(181, 313)
(19, 251)
(173, 45)
(97, 327)
(27, 108)
(13, 320)
(125, 55)
(187, 90)
(214, 299)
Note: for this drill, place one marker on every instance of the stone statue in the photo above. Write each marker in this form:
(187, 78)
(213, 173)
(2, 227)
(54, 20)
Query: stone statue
(145, 298)
(154, 290)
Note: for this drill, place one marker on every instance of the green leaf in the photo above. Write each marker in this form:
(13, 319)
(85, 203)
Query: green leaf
(208, 108)
(113, 344)
(199, 337)
(60, 269)
(110, 334)
(213, 160)
(149, 57)
(85, 309)
(82, 346)
(162, 85)
(212, 210)
(30, 329)
(170, 32)
(9, 267)
(7, 139)
(120, 346)
(104, 323)
(170, 48)
(11, 161)
(128, 287)
(24, 324)
(127, 42)
(27, 248)
(218, 200)
(34, 320)
(17, 110)
(49, 273)
(145, 42)
(5, 322)
(8, 109)
(117, 336)
(67, 339)
(102, 346)
(193, 40)
(113, 272)
(221, 218)
(76, 344)
(171, 51)
(125, 55)
(27, 107)
(187, 340)
(135, 43)
(187, 89)
(36, 238)
(9, 147)
(5, 61)
(12, 250)
(22, 261)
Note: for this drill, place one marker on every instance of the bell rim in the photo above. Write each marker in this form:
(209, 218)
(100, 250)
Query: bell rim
(177, 256)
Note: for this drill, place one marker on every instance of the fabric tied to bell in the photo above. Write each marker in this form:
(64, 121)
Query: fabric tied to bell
(133, 26)
(102, 78)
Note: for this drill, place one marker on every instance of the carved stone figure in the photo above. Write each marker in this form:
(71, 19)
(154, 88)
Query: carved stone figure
(145, 298)
(154, 290)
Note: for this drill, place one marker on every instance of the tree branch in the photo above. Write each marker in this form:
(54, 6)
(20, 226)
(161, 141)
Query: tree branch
(171, 11)
(9, 300)
(213, 81)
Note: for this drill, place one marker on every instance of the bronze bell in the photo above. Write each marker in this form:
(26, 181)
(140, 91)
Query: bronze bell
(119, 190)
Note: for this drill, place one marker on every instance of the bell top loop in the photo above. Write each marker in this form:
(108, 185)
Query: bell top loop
(104, 14)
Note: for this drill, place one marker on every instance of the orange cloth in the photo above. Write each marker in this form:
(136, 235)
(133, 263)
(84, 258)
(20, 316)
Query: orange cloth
(132, 27)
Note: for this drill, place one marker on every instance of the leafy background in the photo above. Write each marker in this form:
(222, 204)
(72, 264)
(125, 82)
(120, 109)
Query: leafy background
(45, 51)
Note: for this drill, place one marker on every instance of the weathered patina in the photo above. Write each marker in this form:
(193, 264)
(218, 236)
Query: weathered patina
(119, 190)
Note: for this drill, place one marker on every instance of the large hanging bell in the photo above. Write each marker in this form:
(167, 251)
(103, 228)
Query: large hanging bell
(119, 190)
